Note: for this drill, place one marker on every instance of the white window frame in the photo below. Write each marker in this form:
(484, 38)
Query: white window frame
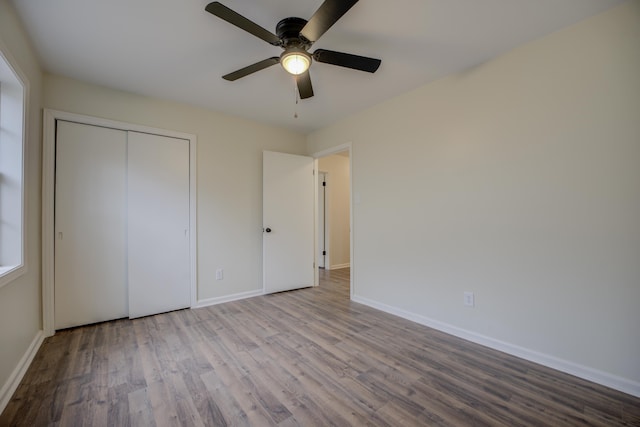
(10, 75)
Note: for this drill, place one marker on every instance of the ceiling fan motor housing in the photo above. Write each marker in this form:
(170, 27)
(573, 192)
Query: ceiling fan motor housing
(288, 30)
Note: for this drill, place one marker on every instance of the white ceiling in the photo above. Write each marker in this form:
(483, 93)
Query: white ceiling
(173, 49)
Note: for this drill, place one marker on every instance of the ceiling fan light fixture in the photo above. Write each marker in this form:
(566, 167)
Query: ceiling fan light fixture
(295, 61)
(296, 36)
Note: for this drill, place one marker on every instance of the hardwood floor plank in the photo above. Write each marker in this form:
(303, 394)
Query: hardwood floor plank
(118, 413)
(140, 409)
(296, 395)
(225, 409)
(163, 404)
(185, 407)
(206, 407)
(302, 358)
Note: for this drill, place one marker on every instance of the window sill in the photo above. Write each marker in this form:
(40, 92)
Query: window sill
(9, 273)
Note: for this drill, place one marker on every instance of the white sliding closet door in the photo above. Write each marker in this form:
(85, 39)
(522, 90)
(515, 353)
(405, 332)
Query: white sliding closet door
(158, 224)
(90, 225)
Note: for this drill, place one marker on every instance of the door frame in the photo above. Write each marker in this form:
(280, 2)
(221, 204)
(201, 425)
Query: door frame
(325, 227)
(324, 153)
(48, 200)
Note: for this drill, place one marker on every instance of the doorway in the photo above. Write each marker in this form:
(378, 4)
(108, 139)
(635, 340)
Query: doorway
(334, 217)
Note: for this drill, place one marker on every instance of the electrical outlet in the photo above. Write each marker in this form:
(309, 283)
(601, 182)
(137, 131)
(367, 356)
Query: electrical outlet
(219, 274)
(469, 299)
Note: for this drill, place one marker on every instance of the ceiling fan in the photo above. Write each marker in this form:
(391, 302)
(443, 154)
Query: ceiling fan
(295, 36)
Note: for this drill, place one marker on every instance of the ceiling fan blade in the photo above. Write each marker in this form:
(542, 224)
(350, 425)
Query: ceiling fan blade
(223, 12)
(242, 72)
(327, 15)
(305, 89)
(348, 60)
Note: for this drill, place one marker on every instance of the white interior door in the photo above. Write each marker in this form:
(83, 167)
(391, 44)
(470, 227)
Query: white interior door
(288, 193)
(90, 225)
(158, 224)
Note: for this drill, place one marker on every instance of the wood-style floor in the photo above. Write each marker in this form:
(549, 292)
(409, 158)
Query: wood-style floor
(308, 357)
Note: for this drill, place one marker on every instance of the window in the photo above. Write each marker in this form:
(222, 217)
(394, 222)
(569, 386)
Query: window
(12, 120)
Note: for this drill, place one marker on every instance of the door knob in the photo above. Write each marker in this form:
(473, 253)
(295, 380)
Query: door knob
(268, 230)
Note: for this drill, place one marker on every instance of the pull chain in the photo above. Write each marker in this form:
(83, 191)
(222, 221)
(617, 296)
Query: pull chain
(295, 92)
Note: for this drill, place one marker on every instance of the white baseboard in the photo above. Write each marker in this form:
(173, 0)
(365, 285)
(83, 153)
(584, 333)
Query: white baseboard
(603, 378)
(227, 298)
(339, 266)
(12, 383)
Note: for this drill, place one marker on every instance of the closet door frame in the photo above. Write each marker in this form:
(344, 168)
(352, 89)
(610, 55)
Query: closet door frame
(50, 117)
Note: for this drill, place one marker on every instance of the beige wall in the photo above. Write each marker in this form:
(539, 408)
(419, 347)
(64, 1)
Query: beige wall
(518, 180)
(229, 174)
(337, 208)
(20, 300)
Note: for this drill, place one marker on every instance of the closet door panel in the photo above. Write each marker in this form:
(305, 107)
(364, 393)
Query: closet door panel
(158, 224)
(90, 225)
